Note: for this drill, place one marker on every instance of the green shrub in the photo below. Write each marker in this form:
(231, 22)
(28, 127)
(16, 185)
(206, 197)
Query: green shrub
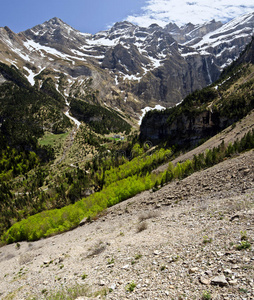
(243, 245)
(206, 295)
(131, 286)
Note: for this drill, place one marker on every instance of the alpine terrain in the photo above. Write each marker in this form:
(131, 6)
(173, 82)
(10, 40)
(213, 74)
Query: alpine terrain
(94, 206)
(129, 67)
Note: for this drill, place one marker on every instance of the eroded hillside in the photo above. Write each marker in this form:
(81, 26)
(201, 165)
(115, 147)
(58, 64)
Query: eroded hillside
(191, 239)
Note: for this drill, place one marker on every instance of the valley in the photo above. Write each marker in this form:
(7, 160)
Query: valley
(126, 162)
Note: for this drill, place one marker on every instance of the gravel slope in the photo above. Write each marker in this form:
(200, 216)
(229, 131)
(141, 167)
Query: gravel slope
(176, 243)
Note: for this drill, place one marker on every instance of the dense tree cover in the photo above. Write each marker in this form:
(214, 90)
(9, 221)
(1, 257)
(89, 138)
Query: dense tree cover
(14, 162)
(193, 104)
(46, 188)
(100, 119)
(48, 87)
(26, 112)
(32, 196)
(141, 165)
(87, 136)
(55, 221)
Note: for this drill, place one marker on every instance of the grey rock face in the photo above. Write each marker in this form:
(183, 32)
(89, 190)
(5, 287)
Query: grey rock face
(152, 65)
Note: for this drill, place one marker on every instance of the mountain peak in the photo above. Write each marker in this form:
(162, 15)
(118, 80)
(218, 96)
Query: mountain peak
(49, 27)
(56, 22)
(154, 25)
(122, 25)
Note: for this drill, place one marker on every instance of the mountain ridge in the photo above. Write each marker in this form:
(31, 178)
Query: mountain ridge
(142, 66)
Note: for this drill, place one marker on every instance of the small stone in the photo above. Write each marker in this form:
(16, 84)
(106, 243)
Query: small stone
(102, 283)
(110, 266)
(233, 282)
(61, 259)
(204, 280)
(246, 171)
(227, 271)
(235, 267)
(126, 267)
(193, 270)
(246, 259)
(112, 286)
(219, 280)
(234, 217)
(157, 252)
(209, 272)
(84, 221)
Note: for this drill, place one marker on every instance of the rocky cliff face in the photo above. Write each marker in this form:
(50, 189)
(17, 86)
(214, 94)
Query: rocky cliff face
(184, 130)
(203, 114)
(131, 67)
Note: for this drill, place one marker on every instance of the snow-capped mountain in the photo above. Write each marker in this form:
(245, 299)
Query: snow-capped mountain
(128, 67)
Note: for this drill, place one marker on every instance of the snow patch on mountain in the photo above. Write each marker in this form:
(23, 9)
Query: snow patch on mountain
(242, 26)
(146, 109)
(30, 76)
(33, 46)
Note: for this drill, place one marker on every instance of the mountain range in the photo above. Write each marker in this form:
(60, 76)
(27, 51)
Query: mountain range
(69, 154)
(127, 67)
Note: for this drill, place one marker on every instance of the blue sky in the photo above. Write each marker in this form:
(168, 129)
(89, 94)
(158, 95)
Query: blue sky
(92, 16)
(88, 16)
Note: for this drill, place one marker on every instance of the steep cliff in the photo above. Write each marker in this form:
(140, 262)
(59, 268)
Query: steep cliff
(183, 125)
(206, 112)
